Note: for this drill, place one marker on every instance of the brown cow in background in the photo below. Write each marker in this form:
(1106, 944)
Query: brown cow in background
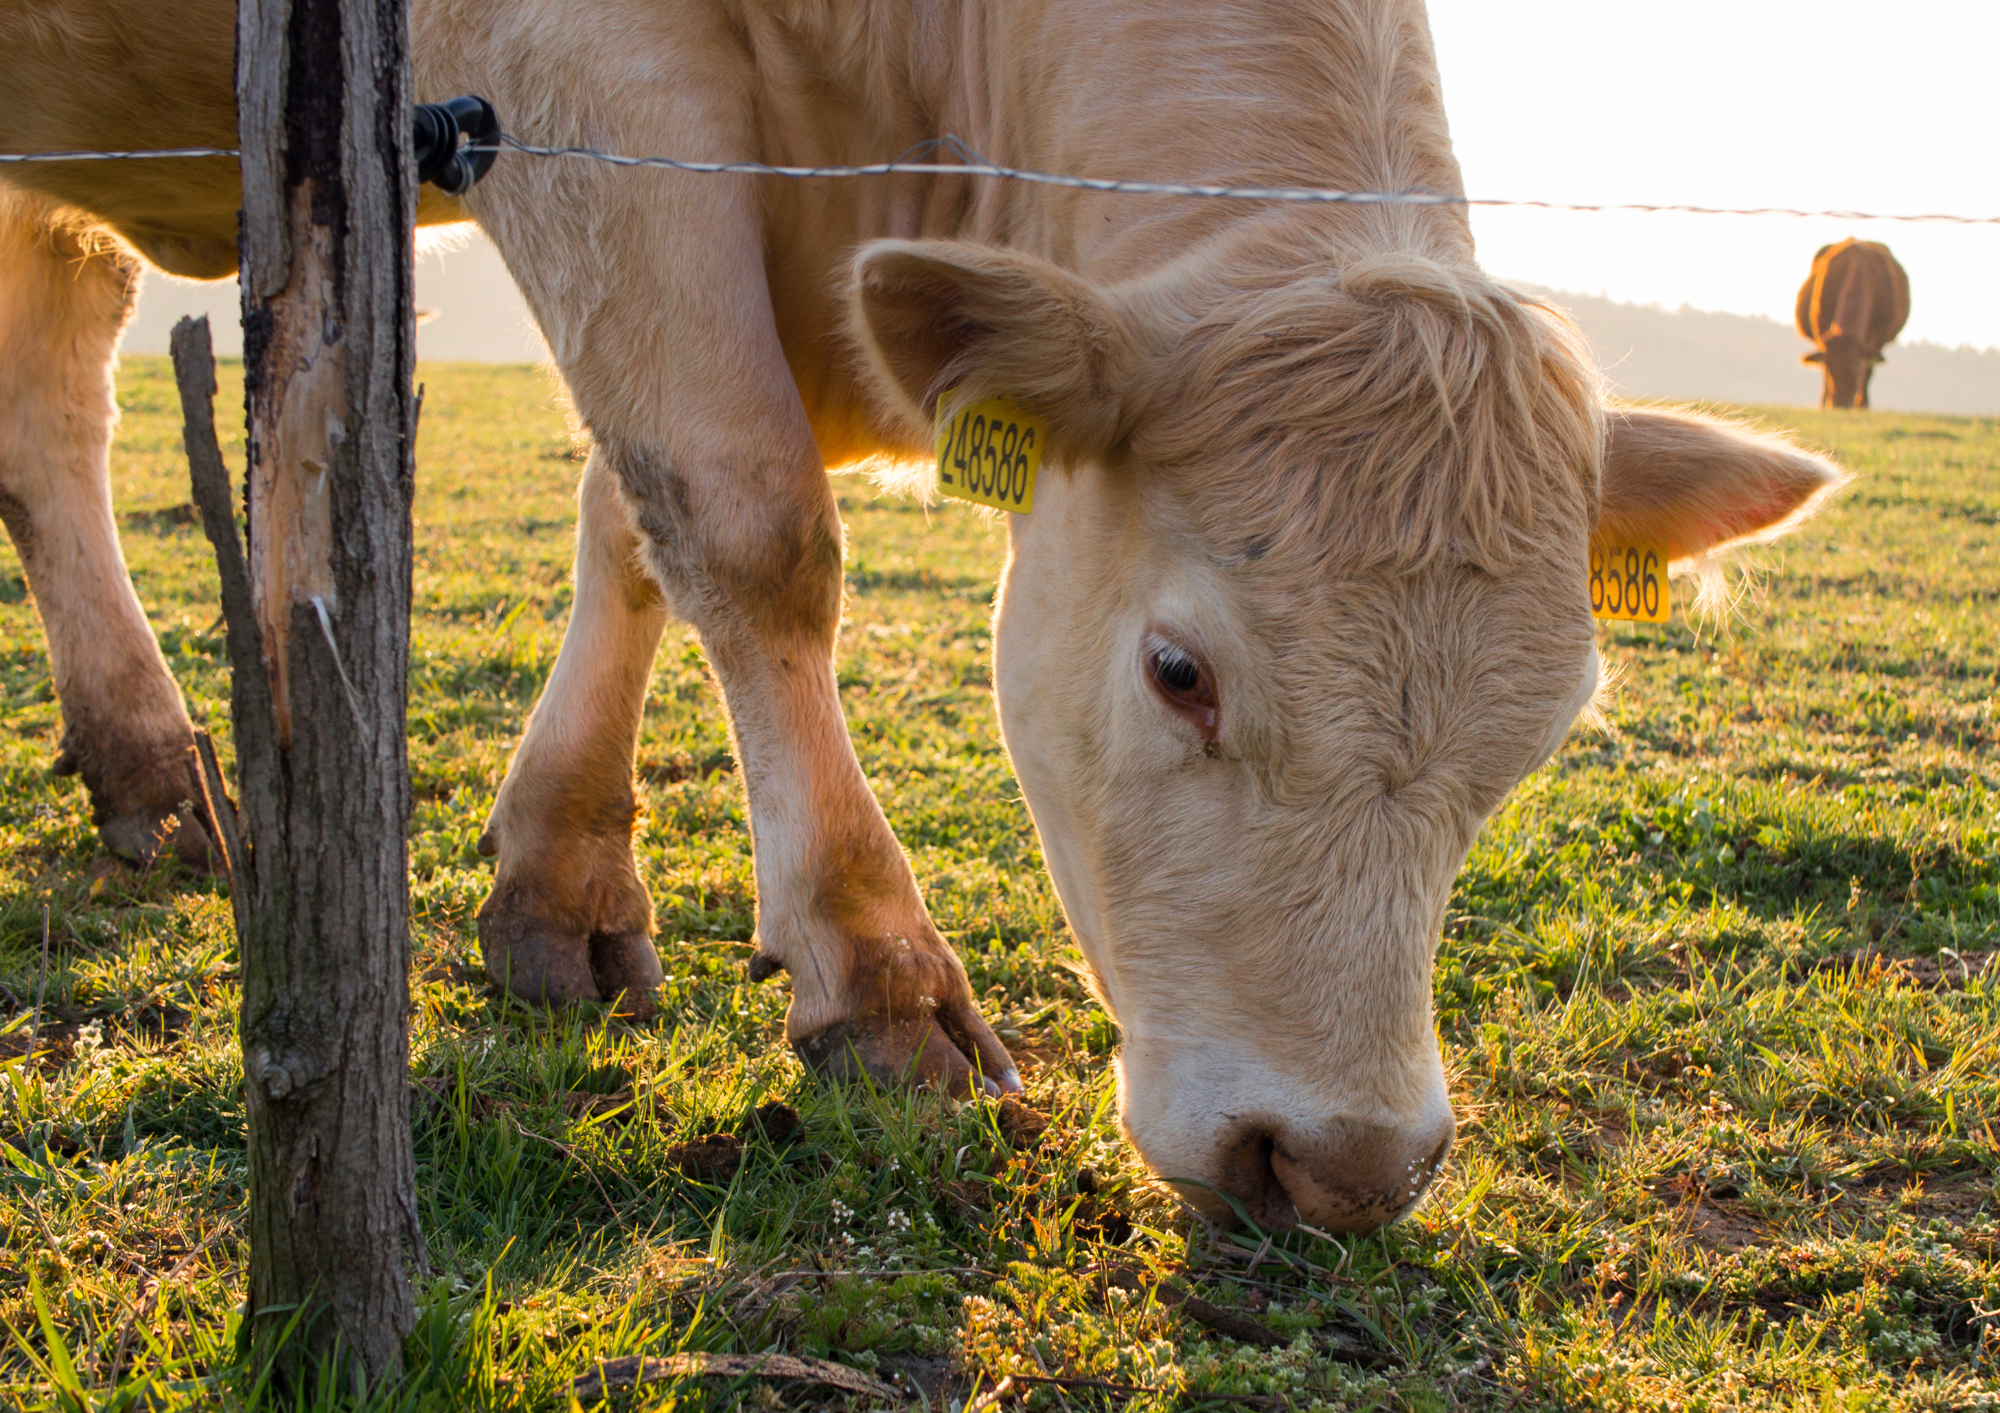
(1856, 300)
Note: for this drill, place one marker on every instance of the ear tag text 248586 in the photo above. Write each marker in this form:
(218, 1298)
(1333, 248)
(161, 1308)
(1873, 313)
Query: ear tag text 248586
(1629, 582)
(988, 452)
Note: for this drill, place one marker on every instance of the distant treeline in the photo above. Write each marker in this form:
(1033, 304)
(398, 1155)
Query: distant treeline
(1647, 351)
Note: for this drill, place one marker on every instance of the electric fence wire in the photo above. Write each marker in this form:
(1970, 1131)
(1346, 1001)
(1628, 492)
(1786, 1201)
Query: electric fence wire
(969, 163)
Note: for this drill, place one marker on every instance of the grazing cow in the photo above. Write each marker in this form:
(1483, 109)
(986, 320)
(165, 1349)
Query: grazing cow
(1852, 306)
(1301, 598)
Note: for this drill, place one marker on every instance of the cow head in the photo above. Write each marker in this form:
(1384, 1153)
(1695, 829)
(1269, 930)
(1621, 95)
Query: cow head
(1846, 368)
(1301, 599)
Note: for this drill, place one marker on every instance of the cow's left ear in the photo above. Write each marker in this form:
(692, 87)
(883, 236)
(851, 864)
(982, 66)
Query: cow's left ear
(1695, 484)
(934, 315)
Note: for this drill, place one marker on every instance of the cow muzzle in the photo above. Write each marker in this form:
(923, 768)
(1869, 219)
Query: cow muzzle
(1238, 1136)
(1341, 1176)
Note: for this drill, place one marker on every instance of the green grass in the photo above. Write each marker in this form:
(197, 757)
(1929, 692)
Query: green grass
(1727, 1110)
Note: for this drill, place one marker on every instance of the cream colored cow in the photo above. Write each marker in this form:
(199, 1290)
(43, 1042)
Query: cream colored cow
(1303, 592)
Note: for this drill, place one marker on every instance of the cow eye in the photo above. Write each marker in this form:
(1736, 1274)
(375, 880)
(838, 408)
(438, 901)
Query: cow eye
(1185, 682)
(1179, 673)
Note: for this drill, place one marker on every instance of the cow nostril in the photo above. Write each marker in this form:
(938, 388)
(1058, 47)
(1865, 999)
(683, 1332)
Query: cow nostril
(1421, 1171)
(1252, 1180)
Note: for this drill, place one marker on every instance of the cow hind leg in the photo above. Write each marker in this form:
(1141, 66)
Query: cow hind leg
(65, 294)
(568, 918)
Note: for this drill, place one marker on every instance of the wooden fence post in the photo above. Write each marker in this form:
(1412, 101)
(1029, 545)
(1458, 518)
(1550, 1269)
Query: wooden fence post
(319, 665)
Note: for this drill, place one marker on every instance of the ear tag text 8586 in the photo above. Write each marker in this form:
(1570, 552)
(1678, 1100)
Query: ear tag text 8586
(988, 452)
(1629, 582)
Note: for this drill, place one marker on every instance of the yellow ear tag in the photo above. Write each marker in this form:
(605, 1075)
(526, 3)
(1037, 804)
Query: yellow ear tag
(988, 452)
(1630, 582)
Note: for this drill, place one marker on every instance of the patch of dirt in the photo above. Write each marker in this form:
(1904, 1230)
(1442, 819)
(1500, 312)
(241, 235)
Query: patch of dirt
(58, 1142)
(620, 1104)
(156, 1021)
(970, 1200)
(55, 1048)
(166, 518)
(455, 971)
(713, 1159)
(1099, 1216)
(1956, 1198)
(1614, 1130)
(1941, 973)
(618, 1375)
(1722, 1225)
(426, 1098)
(1227, 1323)
(1100, 1220)
(1656, 1071)
(1957, 1204)
(934, 1377)
(489, 1106)
(1031, 1059)
(431, 1097)
(685, 767)
(1021, 1126)
(777, 1124)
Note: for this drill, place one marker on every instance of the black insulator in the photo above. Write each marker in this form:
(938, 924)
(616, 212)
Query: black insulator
(442, 159)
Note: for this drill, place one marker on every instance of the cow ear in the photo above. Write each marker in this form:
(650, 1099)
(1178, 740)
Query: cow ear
(936, 315)
(1695, 484)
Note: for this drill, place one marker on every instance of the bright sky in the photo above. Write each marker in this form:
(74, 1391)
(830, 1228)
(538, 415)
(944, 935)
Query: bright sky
(1836, 104)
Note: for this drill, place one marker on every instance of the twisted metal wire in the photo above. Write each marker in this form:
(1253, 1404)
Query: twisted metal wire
(969, 163)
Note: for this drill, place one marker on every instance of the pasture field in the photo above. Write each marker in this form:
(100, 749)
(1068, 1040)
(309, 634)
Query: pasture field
(1714, 990)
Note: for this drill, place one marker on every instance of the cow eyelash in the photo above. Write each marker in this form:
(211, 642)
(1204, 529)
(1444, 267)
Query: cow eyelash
(1185, 682)
(1176, 668)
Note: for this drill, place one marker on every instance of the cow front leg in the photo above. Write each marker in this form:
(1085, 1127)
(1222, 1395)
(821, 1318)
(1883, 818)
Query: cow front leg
(874, 986)
(747, 542)
(65, 295)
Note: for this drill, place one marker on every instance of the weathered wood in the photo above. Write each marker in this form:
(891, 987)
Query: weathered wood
(214, 797)
(194, 371)
(262, 67)
(320, 664)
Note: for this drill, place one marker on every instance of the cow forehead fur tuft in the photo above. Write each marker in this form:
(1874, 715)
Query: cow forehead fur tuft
(1385, 413)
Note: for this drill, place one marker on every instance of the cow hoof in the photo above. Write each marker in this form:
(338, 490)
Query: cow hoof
(545, 967)
(924, 1052)
(533, 961)
(141, 836)
(627, 968)
(142, 800)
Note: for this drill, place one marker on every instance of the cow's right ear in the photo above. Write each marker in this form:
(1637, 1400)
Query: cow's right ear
(1693, 484)
(936, 315)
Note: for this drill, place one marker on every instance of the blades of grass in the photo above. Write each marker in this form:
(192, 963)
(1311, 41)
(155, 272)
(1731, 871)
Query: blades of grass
(1242, 1212)
(62, 1369)
(275, 1348)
